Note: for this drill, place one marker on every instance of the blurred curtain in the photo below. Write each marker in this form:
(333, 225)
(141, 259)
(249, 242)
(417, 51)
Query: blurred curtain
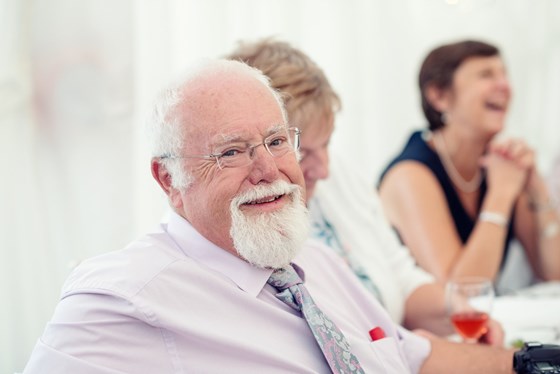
(77, 78)
(68, 144)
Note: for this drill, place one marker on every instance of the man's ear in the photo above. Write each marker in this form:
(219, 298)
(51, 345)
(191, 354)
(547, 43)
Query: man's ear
(163, 178)
(438, 98)
(161, 175)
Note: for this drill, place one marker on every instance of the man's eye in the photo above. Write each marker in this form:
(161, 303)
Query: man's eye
(231, 152)
(277, 142)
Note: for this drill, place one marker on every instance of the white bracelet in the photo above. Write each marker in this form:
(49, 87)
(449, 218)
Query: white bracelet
(550, 230)
(493, 217)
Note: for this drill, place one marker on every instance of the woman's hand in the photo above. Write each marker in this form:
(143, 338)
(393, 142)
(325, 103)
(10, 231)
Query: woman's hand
(507, 168)
(517, 151)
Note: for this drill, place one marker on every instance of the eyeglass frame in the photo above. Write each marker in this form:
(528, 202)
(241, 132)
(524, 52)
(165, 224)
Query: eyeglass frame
(250, 148)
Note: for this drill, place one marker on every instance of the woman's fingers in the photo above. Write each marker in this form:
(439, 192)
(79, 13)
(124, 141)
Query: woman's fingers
(516, 150)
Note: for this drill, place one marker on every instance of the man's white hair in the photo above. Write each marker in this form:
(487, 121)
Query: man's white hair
(167, 124)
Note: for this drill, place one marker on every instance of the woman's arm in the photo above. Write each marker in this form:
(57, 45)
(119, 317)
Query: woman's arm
(537, 223)
(537, 227)
(415, 204)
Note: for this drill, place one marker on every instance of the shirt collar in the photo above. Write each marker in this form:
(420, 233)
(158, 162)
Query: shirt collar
(299, 271)
(247, 277)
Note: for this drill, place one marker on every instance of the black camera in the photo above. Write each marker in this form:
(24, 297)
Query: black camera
(537, 358)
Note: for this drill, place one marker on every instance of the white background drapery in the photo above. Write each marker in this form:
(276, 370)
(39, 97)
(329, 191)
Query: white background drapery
(77, 78)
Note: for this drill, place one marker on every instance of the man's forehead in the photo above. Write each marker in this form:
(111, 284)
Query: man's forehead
(240, 108)
(242, 135)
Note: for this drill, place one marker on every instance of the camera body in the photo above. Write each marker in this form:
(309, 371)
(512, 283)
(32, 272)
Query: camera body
(537, 358)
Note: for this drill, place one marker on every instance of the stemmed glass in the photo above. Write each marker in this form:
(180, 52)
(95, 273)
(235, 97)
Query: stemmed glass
(469, 303)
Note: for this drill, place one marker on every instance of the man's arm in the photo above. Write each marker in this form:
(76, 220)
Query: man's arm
(97, 333)
(425, 309)
(458, 358)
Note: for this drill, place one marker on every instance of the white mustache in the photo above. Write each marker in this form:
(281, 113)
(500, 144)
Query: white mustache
(277, 188)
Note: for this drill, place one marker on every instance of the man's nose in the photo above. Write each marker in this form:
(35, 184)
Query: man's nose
(263, 167)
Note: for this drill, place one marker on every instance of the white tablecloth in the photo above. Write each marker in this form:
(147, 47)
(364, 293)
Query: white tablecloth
(531, 314)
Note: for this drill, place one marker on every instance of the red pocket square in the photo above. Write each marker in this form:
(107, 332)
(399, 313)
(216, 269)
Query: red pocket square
(376, 333)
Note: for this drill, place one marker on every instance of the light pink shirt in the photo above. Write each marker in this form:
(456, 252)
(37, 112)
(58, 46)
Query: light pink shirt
(173, 302)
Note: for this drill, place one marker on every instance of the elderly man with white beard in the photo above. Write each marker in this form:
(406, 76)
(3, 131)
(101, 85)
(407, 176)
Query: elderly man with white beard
(229, 284)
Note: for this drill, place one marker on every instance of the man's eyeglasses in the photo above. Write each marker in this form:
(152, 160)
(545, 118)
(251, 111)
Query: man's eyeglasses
(238, 154)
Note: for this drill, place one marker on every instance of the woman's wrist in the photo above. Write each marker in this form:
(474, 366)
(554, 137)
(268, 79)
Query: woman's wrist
(502, 203)
(549, 230)
(496, 218)
(543, 205)
(538, 195)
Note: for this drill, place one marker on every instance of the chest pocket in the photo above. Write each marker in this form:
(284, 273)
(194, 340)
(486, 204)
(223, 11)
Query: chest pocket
(389, 356)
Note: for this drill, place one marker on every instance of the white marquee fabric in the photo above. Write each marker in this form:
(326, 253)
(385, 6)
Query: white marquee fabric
(77, 77)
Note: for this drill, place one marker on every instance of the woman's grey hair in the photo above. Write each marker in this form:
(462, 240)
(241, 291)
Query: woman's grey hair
(167, 123)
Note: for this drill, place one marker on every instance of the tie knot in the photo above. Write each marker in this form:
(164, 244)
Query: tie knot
(284, 278)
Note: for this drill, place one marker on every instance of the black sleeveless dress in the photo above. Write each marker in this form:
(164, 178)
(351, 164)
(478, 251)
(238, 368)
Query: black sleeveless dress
(416, 149)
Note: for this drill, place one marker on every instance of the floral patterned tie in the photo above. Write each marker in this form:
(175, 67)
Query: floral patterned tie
(330, 339)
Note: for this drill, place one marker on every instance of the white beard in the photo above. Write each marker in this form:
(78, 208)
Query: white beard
(270, 240)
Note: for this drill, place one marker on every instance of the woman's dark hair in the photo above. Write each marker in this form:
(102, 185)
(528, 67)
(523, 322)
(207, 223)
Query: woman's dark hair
(439, 67)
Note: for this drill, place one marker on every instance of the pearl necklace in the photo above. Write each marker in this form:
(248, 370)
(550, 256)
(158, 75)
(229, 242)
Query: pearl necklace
(467, 186)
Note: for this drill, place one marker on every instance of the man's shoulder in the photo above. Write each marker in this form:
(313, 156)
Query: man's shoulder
(125, 272)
